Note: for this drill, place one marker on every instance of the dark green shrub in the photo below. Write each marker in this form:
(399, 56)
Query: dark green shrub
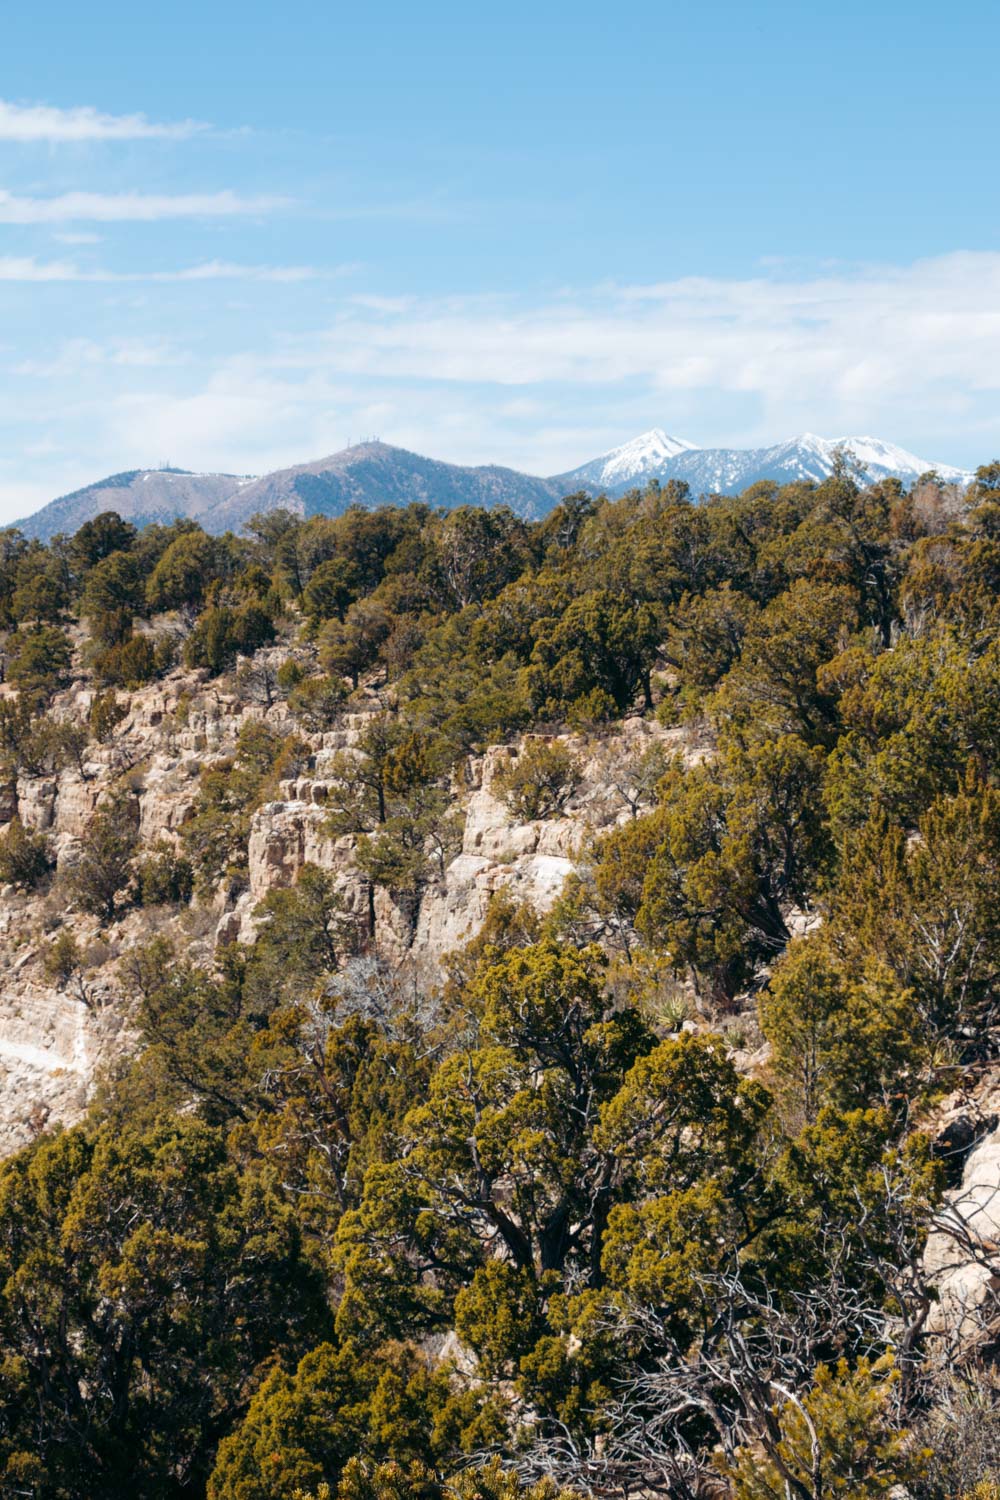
(106, 713)
(290, 673)
(222, 634)
(318, 702)
(38, 660)
(104, 868)
(24, 856)
(129, 663)
(163, 877)
(540, 782)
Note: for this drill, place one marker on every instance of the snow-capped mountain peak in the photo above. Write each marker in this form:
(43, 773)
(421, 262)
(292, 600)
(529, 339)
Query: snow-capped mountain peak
(641, 458)
(644, 453)
(874, 454)
(807, 457)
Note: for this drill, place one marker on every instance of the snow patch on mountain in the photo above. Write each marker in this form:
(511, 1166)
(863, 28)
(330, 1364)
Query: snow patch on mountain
(729, 470)
(873, 453)
(642, 455)
(806, 457)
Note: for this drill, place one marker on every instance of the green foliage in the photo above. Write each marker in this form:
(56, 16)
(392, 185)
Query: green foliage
(352, 647)
(926, 907)
(706, 634)
(476, 553)
(62, 960)
(317, 702)
(143, 1276)
(503, 1152)
(599, 642)
(507, 924)
(302, 1429)
(304, 932)
(500, 1315)
(38, 661)
(839, 1439)
(223, 633)
(838, 1036)
(913, 717)
(41, 590)
(28, 744)
(290, 673)
(775, 687)
(391, 790)
(331, 589)
(183, 573)
(106, 713)
(519, 1162)
(197, 1038)
(163, 877)
(854, 1194)
(690, 1132)
(131, 662)
(98, 538)
(215, 837)
(540, 780)
(334, 1076)
(733, 844)
(112, 596)
(103, 868)
(25, 859)
(390, 1481)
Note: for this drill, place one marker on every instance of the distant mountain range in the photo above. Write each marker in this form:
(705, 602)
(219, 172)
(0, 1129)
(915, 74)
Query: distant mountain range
(371, 474)
(377, 474)
(727, 471)
(139, 495)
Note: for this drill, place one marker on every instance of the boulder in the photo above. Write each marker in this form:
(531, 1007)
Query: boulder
(962, 1255)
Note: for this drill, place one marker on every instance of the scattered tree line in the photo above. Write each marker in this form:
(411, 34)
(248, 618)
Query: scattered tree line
(533, 1233)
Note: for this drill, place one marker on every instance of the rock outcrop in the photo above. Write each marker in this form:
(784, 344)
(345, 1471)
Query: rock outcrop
(962, 1255)
(530, 859)
(51, 1047)
(53, 1043)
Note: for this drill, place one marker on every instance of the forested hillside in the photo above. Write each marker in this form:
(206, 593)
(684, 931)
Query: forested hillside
(680, 1175)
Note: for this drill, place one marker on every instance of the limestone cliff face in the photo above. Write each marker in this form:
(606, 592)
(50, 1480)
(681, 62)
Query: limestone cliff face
(55, 1040)
(531, 859)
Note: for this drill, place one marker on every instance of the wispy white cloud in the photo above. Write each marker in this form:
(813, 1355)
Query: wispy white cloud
(44, 122)
(906, 352)
(77, 356)
(222, 270)
(855, 337)
(25, 268)
(132, 207)
(28, 269)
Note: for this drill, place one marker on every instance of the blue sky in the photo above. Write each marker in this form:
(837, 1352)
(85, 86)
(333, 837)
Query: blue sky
(239, 236)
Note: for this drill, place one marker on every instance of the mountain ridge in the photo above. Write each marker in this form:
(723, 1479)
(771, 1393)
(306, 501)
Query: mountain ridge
(377, 473)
